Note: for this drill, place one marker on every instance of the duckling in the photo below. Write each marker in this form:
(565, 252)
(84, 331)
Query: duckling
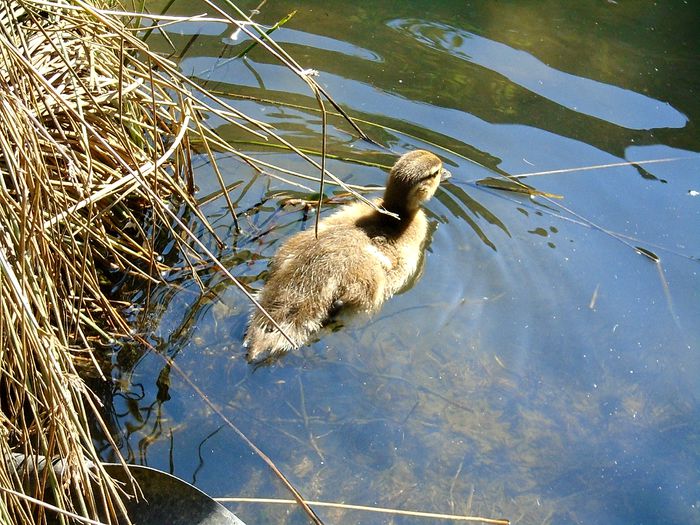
(360, 258)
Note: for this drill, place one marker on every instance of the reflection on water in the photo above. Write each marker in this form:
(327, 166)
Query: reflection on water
(540, 369)
(597, 99)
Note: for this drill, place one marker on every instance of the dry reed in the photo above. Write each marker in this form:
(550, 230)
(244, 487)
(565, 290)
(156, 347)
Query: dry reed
(95, 136)
(94, 140)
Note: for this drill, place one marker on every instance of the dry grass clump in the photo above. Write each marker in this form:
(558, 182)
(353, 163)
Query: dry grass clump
(95, 134)
(94, 137)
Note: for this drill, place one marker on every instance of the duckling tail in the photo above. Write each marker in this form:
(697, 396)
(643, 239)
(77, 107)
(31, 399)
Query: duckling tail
(264, 341)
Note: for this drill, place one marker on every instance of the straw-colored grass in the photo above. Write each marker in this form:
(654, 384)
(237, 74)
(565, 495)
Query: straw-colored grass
(93, 140)
(95, 135)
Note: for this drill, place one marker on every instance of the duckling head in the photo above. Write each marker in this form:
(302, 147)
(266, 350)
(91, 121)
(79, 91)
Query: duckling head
(413, 180)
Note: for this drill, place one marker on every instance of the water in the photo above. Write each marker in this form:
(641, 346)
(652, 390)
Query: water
(541, 369)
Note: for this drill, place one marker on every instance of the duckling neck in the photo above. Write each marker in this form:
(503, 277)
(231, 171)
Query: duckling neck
(392, 226)
(400, 208)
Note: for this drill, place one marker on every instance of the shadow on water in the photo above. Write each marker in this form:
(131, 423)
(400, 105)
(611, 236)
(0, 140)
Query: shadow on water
(539, 368)
(461, 205)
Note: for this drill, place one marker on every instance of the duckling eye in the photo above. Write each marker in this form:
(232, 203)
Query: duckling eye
(269, 329)
(431, 174)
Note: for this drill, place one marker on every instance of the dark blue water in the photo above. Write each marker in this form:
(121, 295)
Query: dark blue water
(541, 369)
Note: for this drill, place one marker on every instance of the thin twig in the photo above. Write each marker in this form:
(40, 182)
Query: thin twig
(603, 166)
(298, 497)
(383, 510)
(324, 144)
(51, 507)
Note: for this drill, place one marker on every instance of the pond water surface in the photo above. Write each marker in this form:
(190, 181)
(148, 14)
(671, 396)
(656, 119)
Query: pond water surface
(541, 368)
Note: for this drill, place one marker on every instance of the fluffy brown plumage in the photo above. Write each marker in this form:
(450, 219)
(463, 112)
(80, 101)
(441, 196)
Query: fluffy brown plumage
(360, 258)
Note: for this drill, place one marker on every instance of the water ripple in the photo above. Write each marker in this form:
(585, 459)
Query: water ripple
(613, 104)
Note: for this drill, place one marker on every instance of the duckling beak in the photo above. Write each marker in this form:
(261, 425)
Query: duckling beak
(444, 175)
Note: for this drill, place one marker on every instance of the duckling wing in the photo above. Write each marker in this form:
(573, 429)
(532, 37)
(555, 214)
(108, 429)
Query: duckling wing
(341, 265)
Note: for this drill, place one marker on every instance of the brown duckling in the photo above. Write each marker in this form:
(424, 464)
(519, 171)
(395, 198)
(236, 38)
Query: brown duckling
(360, 258)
